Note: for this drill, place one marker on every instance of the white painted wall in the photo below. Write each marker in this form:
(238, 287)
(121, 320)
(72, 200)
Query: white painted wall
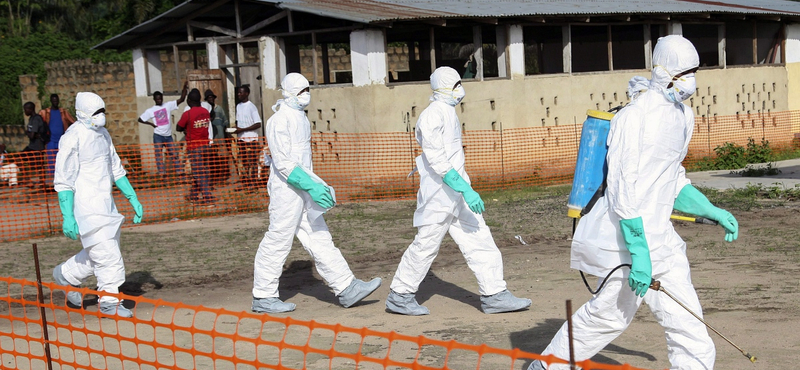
(140, 72)
(674, 28)
(793, 43)
(270, 67)
(516, 51)
(154, 71)
(212, 49)
(368, 57)
(502, 52)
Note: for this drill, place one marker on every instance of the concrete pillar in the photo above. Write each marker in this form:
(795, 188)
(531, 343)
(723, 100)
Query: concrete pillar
(516, 51)
(230, 78)
(566, 51)
(368, 57)
(477, 42)
(674, 28)
(502, 53)
(154, 71)
(793, 71)
(139, 72)
(269, 51)
(281, 59)
(212, 50)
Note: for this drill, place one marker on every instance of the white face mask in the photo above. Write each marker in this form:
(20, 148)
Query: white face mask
(97, 121)
(458, 94)
(682, 88)
(299, 102)
(452, 96)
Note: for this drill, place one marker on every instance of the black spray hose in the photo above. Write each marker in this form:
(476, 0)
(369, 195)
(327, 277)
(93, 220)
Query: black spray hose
(604, 279)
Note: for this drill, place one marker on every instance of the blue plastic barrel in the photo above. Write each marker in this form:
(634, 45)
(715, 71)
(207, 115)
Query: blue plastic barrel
(591, 167)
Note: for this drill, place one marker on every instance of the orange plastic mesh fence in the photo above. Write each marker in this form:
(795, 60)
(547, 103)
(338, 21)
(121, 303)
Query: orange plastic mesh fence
(360, 167)
(168, 335)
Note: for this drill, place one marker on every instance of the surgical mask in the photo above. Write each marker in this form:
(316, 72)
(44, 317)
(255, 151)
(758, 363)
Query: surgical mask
(453, 96)
(681, 88)
(299, 102)
(97, 121)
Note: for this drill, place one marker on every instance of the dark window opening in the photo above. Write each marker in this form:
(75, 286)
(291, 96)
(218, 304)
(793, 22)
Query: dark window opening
(408, 53)
(657, 31)
(544, 49)
(589, 48)
(323, 58)
(770, 37)
(705, 38)
(739, 43)
(455, 48)
(627, 47)
(489, 50)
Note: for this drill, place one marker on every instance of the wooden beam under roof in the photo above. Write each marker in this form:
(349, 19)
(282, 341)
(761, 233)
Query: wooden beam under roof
(212, 28)
(265, 22)
(155, 35)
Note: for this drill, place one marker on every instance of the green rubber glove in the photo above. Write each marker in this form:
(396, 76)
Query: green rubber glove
(473, 199)
(126, 188)
(320, 193)
(66, 200)
(692, 201)
(641, 269)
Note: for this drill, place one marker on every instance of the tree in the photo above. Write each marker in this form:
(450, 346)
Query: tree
(39, 31)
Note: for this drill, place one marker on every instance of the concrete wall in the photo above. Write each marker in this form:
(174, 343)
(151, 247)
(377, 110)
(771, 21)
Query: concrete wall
(535, 101)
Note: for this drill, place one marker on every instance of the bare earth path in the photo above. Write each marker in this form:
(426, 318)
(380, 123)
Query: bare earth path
(749, 289)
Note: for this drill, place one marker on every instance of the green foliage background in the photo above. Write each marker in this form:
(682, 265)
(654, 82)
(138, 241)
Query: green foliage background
(33, 32)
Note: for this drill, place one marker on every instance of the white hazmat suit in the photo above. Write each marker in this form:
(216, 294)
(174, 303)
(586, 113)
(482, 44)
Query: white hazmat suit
(88, 165)
(442, 210)
(648, 140)
(292, 211)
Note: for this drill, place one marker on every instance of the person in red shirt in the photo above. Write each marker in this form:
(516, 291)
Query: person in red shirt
(194, 122)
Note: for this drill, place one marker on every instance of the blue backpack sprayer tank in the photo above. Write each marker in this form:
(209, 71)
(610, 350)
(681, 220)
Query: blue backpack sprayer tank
(591, 168)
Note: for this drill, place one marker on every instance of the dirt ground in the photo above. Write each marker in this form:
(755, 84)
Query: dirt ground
(748, 289)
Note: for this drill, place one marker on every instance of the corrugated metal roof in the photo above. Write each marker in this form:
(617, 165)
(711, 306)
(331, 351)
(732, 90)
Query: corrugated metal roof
(370, 11)
(374, 11)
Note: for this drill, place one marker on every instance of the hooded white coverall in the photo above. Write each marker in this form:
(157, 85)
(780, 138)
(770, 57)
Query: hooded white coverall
(442, 210)
(648, 140)
(88, 165)
(291, 210)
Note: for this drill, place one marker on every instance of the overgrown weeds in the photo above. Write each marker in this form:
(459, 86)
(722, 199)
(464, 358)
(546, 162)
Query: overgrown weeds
(751, 196)
(731, 156)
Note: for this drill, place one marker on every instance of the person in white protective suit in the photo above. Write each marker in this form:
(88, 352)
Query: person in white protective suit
(87, 166)
(647, 141)
(446, 203)
(298, 198)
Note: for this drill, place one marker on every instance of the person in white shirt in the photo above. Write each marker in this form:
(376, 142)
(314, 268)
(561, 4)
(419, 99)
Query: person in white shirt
(247, 124)
(161, 116)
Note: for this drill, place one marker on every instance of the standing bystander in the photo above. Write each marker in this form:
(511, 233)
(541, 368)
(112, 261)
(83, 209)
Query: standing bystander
(162, 129)
(195, 122)
(247, 123)
(38, 134)
(58, 120)
(219, 121)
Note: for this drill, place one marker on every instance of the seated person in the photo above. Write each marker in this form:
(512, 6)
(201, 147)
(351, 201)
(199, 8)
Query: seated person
(8, 171)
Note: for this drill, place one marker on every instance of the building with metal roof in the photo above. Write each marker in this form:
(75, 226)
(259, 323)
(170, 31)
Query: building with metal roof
(524, 63)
